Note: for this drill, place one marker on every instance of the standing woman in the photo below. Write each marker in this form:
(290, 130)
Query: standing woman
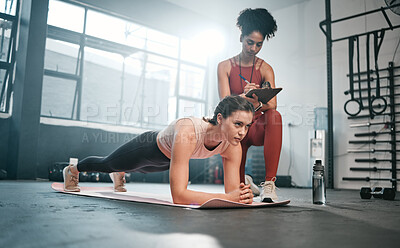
(255, 25)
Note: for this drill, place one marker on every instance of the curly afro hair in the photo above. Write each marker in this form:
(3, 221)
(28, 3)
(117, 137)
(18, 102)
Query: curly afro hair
(260, 20)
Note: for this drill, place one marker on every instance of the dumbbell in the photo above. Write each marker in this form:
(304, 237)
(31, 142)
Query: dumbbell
(94, 177)
(84, 177)
(378, 192)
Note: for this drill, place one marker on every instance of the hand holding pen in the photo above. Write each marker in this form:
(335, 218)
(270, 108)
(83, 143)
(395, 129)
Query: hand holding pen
(249, 86)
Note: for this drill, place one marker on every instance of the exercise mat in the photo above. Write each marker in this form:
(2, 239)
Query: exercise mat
(107, 192)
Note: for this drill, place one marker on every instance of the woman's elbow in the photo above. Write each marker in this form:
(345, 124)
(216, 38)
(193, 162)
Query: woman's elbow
(178, 197)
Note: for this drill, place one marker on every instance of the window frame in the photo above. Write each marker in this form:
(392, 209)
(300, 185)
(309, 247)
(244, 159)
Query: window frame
(84, 40)
(9, 64)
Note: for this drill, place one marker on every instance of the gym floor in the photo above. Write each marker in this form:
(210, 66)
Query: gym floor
(33, 215)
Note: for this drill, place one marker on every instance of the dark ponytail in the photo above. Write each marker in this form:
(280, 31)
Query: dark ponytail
(229, 105)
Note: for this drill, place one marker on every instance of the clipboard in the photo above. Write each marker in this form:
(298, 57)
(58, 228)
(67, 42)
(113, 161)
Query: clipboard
(265, 94)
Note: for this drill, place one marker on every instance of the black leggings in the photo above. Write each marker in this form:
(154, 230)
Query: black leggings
(141, 154)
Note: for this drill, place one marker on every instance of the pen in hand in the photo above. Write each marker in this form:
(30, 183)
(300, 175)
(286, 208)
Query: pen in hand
(240, 75)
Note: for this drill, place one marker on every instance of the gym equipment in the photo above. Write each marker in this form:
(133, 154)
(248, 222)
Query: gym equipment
(94, 177)
(369, 151)
(353, 106)
(378, 192)
(368, 124)
(373, 141)
(369, 179)
(367, 116)
(372, 79)
(359, 72)
(326, 28)
(56, 171)
(373, 133)
(363, 98)
(378, 99)
(371, 160)
(165, 200)
(375, 169)
(84, 177)
(371, 114)
(104, 177)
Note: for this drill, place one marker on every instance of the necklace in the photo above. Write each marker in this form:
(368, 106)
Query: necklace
(240, 69)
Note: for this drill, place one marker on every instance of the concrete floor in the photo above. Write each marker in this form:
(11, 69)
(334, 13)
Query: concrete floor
(33, 215)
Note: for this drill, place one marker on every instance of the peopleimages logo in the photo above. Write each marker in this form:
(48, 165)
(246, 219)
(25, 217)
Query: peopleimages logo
(296, 114)
(115, 114)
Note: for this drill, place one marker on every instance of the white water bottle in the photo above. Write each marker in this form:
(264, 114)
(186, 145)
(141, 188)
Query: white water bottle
(319, 191)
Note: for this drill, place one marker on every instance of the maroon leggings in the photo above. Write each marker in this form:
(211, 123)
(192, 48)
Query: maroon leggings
(265, 131)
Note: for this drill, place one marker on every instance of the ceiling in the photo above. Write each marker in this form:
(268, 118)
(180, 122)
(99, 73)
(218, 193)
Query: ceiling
(213, 8)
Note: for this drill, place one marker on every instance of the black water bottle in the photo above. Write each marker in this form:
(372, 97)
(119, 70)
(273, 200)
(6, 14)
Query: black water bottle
(319, 191)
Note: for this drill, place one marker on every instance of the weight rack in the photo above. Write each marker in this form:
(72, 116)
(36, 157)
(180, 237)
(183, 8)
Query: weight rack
(326, 28)
(391, 73)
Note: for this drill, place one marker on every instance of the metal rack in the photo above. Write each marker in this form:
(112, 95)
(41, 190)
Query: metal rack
(327, 23)
(375, 138)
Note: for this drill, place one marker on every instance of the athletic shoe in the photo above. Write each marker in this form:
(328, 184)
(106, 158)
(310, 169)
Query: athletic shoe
(70, 180)
(249, 180)
(268, 192)
(119, 181)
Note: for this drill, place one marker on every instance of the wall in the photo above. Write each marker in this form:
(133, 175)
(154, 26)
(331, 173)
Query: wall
(4, 134)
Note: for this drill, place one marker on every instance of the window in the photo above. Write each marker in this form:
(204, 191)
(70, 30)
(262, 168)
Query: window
(61, 56)
(3, 88)
(192, 82)
(8, 27)
(101, 86)
(8, 7)
(66, 16)
(112, 70)
(191, 53)
(58, 97)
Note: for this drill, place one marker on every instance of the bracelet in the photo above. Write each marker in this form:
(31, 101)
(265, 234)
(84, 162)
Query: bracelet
(259, 107)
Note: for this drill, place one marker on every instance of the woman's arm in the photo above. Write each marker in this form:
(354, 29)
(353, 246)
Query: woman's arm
(223, 79)
(268, 75)
(182, 149)
(231, 159)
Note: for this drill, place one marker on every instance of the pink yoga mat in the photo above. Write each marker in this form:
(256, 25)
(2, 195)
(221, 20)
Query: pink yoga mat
(107, 192)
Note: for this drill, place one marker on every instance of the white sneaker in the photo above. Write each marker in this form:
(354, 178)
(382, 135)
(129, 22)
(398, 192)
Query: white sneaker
(70, 180)
(119, 181)
(268, 191)
(249, 180)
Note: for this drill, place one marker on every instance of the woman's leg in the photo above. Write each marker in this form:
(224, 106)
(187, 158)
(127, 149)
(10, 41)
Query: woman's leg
(272, 143)
(267, 131)
(255, 136)
(140, 154)
(134, 155)
(246, 143)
